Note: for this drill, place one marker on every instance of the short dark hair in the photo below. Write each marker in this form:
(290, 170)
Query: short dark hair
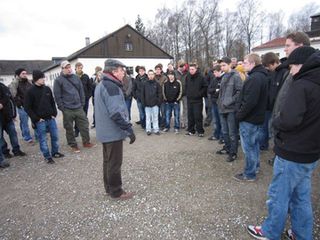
(270, 58)
(142, 67)
(226, 60)
(150, 71)
(299, 38)
(193, 65)
(216, 68)
(159, 65)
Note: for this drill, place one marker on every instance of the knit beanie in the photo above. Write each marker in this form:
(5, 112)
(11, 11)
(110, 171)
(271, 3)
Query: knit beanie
(19, 71)
(36, 75)
(300, 55)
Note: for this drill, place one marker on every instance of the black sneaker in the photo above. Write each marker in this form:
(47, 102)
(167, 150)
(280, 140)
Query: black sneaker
(58, 155)
(256, 232)
(271, 162)
(231, 157)
(148, 133)
(8, 155)
(201, 135)
(50, 160)
(138, 122)
(222, 151)
(19, 154)
(221, 141)
(4, 164)
(157, 133)
(165, 130)
(242, 178)
(189, 134)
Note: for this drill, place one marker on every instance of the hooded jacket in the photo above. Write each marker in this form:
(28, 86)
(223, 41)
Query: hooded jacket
(254, 96)
(196, 87)
(297, 126)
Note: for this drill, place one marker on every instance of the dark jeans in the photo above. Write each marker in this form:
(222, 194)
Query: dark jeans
(195, 118)
(112, 161)
(217, 133)
(11, 131)
(41, 128)
(208, 106)
(175, 107)
(77, 116)
(229, 131)
(142, 114)
(162, 115)
(94, 118)
(128, 103)
(264, 142)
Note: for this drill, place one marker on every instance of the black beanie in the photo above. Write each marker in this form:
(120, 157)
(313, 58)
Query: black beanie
(19, 71)
(36, 75)
(300, 55)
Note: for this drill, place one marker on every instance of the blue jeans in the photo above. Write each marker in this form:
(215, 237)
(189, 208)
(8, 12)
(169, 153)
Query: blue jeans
(217, 133)
(229, 131)
(41, 128)
(24, 124)
(128, 103)
(12, 133)
(142, 114)
(176, 108)
(264, 142)
(152, 114)
(290, 193)
(250, 136)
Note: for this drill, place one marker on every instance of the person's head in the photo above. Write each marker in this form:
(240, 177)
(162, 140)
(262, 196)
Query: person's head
(250, 61)
(115, 67)
(298, 57)
(270, 61)
(158, 69)
(234, 62)
(142, 70)
(151, 74)
(225, 64)
(79, 67)
(97, 69)
(240, 63)
(295, 40)
(66, 67)
(217, 71)
(170, 67)
(137, 69)
(171, 76)
(193, 68)
(181, 66)
(38, 77)
(21, 73)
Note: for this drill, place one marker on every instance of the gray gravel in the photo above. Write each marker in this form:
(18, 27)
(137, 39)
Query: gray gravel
(183, 191)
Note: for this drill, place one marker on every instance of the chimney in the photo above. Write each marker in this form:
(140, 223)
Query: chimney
(87, 41)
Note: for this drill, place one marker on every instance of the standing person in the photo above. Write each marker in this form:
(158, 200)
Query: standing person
(230, 89)
(170, 68)
(87, 88)
(18, 88)
(207, 99)
(127, 91)
(251, 114)
(8, 114)
(196, 89)
(297, 149)
(113, 126)
(181, 75)
(41, 108)
(70, 98)
(172, 92)
(151, 98)
(137, 86)
(3, 163)
(214, 89)
(161, 78)
(234, 63)
(95, 79)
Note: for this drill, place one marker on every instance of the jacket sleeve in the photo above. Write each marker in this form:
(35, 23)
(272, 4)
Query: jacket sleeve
(53, 104)
(250, 97)
(81, 93)
(180, 90)
(164, 92)
(237, 89)
(28, 106)
(57, 94)
(89, 85)
(294, 108)
(13, 86)
(204, 87)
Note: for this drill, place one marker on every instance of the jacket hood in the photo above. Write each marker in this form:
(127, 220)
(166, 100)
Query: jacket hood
(260, 69)
(283, 65)
(310, 69)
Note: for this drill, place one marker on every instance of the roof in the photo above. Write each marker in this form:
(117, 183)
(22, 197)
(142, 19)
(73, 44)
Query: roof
(82, 50)
(315, 15)
(277, 42)
(8, 67)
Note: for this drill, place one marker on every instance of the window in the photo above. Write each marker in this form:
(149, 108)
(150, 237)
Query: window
(128, 46)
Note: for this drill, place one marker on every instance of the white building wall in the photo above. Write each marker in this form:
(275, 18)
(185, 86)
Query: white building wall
(7, 79)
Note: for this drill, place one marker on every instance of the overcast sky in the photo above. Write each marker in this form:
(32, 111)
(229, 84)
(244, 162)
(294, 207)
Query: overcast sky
(39, 29)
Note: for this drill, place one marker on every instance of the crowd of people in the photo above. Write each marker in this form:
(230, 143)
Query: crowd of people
(253, 100)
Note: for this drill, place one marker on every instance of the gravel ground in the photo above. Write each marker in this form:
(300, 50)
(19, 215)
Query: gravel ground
(183, 191)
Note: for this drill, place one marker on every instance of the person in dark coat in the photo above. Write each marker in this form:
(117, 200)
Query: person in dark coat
(137, 85)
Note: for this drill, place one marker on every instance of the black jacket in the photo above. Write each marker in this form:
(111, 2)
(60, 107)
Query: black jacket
(254, 96)
(39, 103)
(196, 87)
(151, 94)
(172, 91)
(137, 86)
(87, 85)
(214, 87)
(298, 124)
(8, 112)
(23, 87)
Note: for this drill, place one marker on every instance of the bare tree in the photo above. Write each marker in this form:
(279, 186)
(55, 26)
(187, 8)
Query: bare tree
(174, 25)
(275, 25)
(300, 21)
(251, 19)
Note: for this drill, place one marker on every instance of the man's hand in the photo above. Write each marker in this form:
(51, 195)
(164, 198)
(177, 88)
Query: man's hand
(132, 138)
(1, 106)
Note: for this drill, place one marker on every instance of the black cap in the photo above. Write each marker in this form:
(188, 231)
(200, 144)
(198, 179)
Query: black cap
(19, 71)
(36, 75)
(300, 55)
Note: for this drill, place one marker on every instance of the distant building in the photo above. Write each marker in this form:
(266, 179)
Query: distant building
(277, 45)
(126, 44)
(8, 67)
